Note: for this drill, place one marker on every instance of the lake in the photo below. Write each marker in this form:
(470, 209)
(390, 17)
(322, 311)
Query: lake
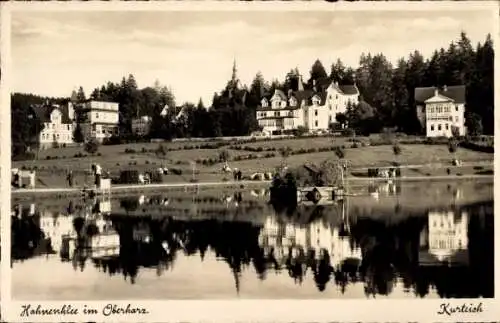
(410, 240)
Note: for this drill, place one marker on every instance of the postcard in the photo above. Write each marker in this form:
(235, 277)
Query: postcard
(248, 161)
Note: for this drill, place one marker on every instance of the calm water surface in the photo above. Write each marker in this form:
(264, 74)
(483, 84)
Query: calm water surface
(411, 241)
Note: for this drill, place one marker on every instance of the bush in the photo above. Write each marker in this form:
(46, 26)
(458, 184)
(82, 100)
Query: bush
(156, 177)
(129, 177)
(339, 152)
(176, 171)
(396, 149)
(91, 146)
(452, 146)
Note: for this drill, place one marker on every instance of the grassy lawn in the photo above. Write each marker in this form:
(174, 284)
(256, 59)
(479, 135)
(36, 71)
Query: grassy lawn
(141, 156)
(299, 143)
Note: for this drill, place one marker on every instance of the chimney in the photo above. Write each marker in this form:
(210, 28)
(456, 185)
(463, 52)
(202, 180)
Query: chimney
(445, 88)
(436, 91)
(290, 93)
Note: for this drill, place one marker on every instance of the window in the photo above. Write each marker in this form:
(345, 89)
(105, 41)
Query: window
(432, 127)
(456, 108)
(97, 115)
(446, 126)
(439, 127)
(456, 119)
(336, 96)
(316, 123)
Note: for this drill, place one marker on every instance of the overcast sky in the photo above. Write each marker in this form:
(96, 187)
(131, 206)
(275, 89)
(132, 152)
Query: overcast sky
(192, 52)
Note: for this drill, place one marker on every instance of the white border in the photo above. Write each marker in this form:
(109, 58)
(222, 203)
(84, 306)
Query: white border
(237, 310)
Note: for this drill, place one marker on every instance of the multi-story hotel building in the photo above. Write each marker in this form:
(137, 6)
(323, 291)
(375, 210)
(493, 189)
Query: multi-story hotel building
(313, 109)
(101, 119)
(441, 110)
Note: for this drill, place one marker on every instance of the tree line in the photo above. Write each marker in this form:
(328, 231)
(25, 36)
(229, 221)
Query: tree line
(386, 100)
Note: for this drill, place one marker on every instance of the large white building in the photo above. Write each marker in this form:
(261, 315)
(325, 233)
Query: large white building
(441, 110)
(102, 119)
(313, 109)
(58, 124)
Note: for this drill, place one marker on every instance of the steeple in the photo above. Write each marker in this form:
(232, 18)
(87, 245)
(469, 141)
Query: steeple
(234, 76)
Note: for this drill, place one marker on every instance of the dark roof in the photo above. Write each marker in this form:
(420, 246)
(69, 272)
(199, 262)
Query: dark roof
(457, 93)
(349, 89)
(302, 95)
(288, 108)
(44, 111)
(307, 95)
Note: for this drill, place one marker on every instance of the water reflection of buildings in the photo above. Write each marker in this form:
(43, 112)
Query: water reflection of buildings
(319, 238)
(82, 232)
(444, 239)
(383, 189)
(320, 241)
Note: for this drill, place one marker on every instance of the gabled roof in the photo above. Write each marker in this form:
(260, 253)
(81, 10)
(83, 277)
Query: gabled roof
(346, 89)
(279, 94)
(349, 89)
(44, 111)
(456, 93)
(439, 98)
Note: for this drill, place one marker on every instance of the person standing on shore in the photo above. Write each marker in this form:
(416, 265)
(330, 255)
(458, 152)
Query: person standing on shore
(70, 178)
(98, 172)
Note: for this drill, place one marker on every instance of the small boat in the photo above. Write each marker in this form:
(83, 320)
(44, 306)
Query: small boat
(319, 194)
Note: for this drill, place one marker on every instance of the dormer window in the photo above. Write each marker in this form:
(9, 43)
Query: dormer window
(283, 104)
(292, 102)
(315, 100)
(264, 103)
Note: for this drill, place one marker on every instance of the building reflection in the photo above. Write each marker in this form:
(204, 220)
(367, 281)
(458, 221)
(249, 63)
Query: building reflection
(444, 239)
(329, 244)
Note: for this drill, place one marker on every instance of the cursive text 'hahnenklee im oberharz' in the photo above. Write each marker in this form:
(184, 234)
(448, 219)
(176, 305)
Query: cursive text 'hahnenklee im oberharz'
(67, 309)
(448, 309)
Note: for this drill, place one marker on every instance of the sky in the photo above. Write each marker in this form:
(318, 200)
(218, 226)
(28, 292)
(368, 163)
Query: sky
(193, 52)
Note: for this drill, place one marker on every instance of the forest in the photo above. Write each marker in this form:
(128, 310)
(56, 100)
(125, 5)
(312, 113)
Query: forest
(386, 96)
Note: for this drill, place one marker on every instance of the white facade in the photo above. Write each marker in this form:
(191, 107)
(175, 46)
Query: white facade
(56, 130)
(141, 126)
(315, 111)
(102, 120)
(105, 245)
(337, 101)
(439, 114)
(447, 233)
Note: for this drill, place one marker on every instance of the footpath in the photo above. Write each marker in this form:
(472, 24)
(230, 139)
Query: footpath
(146, 187)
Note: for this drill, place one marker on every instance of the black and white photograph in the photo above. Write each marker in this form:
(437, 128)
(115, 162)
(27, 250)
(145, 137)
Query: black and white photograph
(253, 154)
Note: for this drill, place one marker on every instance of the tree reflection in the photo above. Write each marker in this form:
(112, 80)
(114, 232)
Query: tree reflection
(335, 247)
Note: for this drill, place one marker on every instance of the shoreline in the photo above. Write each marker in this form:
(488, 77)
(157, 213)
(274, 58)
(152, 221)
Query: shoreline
(135, 188)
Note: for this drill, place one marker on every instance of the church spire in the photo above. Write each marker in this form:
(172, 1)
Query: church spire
(234, 76)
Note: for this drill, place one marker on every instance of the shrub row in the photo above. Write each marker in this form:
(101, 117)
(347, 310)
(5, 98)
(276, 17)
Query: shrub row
(77, 155)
